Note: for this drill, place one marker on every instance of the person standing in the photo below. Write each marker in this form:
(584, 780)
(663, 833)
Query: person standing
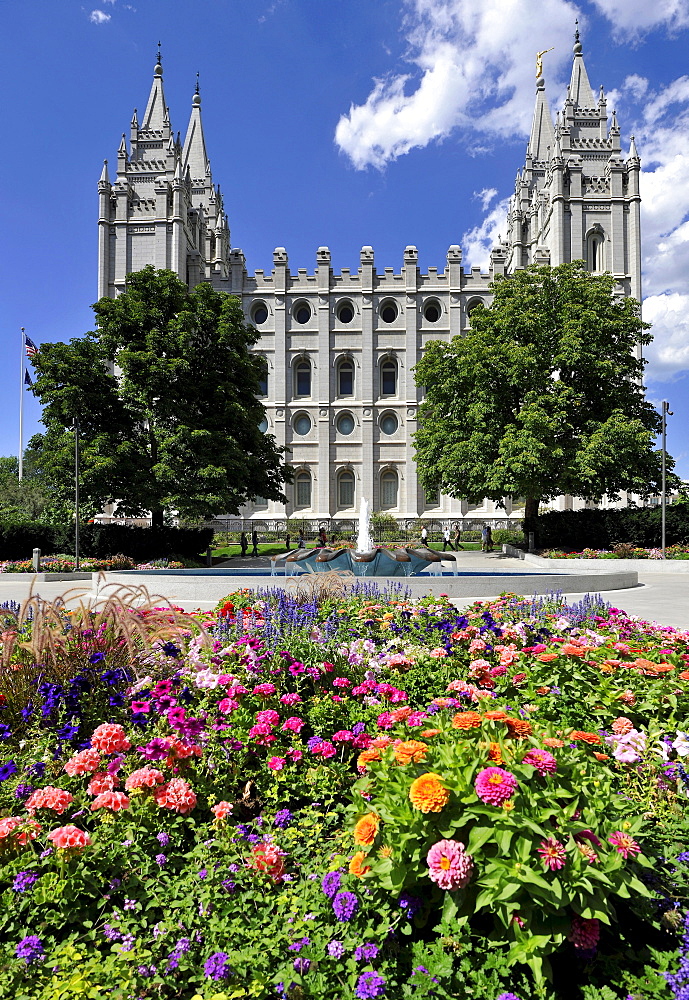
(489, 539)
(447, 540)
(243, 543)
(424, 537)
(322, 538)
(302, 540)
(254, 542)
(287, 540)
(458, 538)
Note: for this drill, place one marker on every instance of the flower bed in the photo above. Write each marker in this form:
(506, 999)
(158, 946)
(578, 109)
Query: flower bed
(349, 796)
(67, 564)
(621, 552)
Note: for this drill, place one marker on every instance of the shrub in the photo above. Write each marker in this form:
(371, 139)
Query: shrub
(574, 530)
(506, 536)
(17, 541)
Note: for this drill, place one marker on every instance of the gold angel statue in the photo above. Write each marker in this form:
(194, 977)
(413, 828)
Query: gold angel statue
(539, 61)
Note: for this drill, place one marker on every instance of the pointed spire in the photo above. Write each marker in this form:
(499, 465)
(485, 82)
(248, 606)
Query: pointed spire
(633, 154)
(135, 120)
(542, 131)
(579, 87)
(122, 150)
(155, 115)
(194, 155)
(105, 179)
(614, 127)
(178, 171)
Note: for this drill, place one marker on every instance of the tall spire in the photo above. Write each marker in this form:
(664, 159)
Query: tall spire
(579, 87)
(194, 153)
(156, 109)
(542, 131)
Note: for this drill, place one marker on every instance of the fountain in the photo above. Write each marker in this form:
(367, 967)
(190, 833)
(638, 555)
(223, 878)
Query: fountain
(365, 560)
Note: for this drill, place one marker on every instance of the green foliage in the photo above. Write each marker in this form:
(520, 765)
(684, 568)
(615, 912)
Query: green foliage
(384, 526)
(543, 395)
(177, 426)
(574, 530)
(18, 540)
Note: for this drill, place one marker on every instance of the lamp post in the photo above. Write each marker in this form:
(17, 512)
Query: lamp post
(76, 494)
(666, 411)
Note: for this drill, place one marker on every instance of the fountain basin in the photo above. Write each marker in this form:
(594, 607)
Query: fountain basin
(375, 562)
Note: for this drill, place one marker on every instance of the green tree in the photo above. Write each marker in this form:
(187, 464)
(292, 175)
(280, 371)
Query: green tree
(165, 394)
(542, 397)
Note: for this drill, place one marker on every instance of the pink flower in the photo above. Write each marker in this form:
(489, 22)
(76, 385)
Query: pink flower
(449, 866)
(145, 777)
(221, 809)
(543, 761)
(268, 717)
(343, 736)
(498, 671)
(84, 762)
(290, 699)
(276, 763)
(110, 738)
(264, 690)
(324, 749)
(177, 795)
(438, 652)
(293, 724)
(49, 797)
(69, 838)
(295, 754)
(101, 782)
(625, 844)
(417, 719)
(141, 706)
(110, 800)
(584, 933)
(341, 682)
(227, 705)
(18, 830)
(552, 854)
(494, 785)
(262, 733)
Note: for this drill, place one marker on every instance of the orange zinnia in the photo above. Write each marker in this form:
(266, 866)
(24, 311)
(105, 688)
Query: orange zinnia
(427, 794)
(685, 675)
(495, 716)
(466, 720)
(552, 741)
(569, 649)
(366, 829)
(357, 866)
(546, 657)
(494, 753)
(542, 690)
(518, 727)
(412, 750)
(601, 756)
(579, 734)
(428, 733)
(664, 668)
(366, 756)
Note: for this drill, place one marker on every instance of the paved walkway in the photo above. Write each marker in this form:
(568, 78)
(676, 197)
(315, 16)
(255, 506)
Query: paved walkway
(659, 597)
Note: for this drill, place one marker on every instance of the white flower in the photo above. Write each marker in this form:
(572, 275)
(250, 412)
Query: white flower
(681, 744)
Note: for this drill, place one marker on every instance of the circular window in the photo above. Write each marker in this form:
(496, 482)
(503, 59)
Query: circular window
(302, 424)
(389, 312)
(431, 312)
(345, 312)
(389, 423)
(263, 426)
(345, 424)
(259, 313)
(302, 312)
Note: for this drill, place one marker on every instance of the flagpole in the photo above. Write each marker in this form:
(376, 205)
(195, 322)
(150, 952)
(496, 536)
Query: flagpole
(21, 406)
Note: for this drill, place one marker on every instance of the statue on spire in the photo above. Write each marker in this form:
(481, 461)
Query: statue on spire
(539, 61)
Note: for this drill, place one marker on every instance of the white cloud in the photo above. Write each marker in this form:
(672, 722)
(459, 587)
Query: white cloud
(469, 67)
(485, 196)
(636, 16)
(479, 241)
(668, 354)
(99, 17)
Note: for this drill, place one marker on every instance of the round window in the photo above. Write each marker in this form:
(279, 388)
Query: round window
(259, 313)
(432, 312)
(345, 312)
(388, 313)
(302, 424)
(345, 424)
(263, 426)
(389, 423)
(302, 313)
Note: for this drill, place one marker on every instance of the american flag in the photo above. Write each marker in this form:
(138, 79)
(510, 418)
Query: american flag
(31, 349)
(27, 378)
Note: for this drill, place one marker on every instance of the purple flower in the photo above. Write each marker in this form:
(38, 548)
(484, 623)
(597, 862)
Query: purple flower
(161, 859)
(336, 949)
(314, 742)
(155, 749)
(369, 985)
(96, 657)
(24, 881)
(508, 996)
(203, 874)
(111, 933)
(302, 965)
(345, 905)
(283, 818)
(410, 904)
(162, 838)
(5, 732)
(366, 952)
(216, 966)
(330, 883)
(6, 771)
(30, 949)
(298, 945)
(128, 942)
(23, 791)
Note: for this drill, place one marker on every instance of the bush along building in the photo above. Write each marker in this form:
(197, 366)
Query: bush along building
(340, 348)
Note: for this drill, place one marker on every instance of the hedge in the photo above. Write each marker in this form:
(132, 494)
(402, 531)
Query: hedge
(17, 541)
(574, 530)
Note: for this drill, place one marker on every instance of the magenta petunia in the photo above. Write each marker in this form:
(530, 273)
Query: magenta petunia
(494, 785)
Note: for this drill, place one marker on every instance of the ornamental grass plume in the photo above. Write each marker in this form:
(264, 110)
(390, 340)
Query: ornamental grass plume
(411, 751)
(366, 829)
(494, 785)
(428, 794)
(449, 866)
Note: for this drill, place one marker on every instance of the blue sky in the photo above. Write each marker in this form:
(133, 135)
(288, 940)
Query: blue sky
(329, 122)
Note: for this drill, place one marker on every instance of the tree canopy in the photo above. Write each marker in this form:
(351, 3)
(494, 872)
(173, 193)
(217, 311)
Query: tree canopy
(543, 396)
(165, 392)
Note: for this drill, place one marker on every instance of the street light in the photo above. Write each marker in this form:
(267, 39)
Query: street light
(666, 411)
(76, 494)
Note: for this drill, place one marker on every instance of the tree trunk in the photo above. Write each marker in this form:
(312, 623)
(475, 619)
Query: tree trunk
(157, 518)
(531, 508)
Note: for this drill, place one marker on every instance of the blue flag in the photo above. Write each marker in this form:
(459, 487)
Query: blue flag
(27, 378)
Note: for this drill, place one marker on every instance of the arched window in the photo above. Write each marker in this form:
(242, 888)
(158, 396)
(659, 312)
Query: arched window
(263, 377)
(345, 490)
(302, 489)
(345, 378)
(302, 377)
(432, 498)
(471, 306)
(388, 378)
(388, 489)
(596, 251)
